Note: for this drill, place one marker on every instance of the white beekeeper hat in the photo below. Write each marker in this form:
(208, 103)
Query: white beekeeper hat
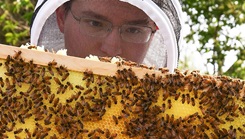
(164, 49)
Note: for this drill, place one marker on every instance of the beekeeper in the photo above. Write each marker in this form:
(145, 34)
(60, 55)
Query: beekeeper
(144, 31)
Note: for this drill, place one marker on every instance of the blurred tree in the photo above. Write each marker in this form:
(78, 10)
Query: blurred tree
(212, 22)
(15, 16)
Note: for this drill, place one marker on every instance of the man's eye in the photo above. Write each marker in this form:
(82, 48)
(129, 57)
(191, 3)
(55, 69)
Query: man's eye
(133, 30)
(96, 23)
(92, 23)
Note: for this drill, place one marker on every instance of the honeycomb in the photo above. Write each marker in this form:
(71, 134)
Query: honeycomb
(52, 101)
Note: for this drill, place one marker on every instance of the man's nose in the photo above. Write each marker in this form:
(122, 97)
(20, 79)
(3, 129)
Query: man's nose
(112, 43)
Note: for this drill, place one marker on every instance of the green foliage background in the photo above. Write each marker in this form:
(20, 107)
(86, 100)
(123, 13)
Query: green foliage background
(217, 15)
(15, 17)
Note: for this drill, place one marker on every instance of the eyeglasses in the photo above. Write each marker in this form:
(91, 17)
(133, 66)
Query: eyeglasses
(100, 28)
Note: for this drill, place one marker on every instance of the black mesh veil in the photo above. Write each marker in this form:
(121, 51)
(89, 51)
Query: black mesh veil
(169, 9)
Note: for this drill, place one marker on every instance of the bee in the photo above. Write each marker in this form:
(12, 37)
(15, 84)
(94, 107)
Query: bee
(27, 115)
(176, 97)
(50, 70)
(202, 110)
(165, 95)
(52, 109)
(53, 137)
(59, 129)
(52, 63)
(114, 99)
(28, 133)
(101, 92)
(229, 119)
(35, 132)
(36, 110)
(241, 130)
(56, 101)
(47, 119)
(10, 116)
(125, 114)
(91, 133)
(59, 71)
(163, 70)
(21, 119)
(79, 87)
(51, 98)
(88, 83)
(169, 104)
(56, 120)
(113, 135)
(234, 114)
(43, 135)
(88, 91)
(39, 126)
(242, 110)
(18, 131)
(87, 74)
(8, 60)
(102, 112)
(38, 100)
(7, 82)
(107, 133)
(110, 80)
(1, 82)
(39, 117)
(17, 55)
(183, 98)
(193, 101)
(17, 137)
(45, 94)
(109, 103)
(69, 111)
(235, 108)
(46, 79)
(60, 89)
(4, 121)
(84, 131)
(203, 94)
(188, 99)
(115, 119)
(57, 81)
(70, 85)
(65, 76)
(87, 105)
(77, 95)
(64, 89)
(11, 92)
(99, 81)
(195, 92)
(11, 128)
(163, 107)
(32, 47)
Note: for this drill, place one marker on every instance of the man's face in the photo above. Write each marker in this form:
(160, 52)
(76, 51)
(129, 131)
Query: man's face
(118, 13)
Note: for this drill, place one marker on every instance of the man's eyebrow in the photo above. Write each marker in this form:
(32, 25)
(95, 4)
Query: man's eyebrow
(138, 22)
(95, 15)
(101, 17)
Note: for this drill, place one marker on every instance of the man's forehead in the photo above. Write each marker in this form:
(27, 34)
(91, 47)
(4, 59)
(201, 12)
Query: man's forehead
(105, 9)
(112, 2)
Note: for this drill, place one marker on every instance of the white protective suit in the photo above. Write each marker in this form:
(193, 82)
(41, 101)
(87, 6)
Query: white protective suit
(167, 14)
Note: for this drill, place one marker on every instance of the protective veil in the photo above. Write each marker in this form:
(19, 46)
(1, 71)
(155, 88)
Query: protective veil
(163, 51)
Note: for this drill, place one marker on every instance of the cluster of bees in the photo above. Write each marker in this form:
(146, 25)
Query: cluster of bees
(53, 102)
